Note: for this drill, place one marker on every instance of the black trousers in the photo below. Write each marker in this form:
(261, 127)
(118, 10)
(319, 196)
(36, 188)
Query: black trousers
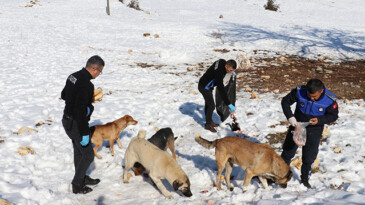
(209, 103)
(83, 156)
(309, 150)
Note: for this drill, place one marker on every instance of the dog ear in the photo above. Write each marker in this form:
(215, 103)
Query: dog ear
(176, 184)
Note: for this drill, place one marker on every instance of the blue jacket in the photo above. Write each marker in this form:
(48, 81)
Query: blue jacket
(325, 108)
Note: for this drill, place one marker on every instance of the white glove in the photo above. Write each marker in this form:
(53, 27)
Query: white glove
(293, 122)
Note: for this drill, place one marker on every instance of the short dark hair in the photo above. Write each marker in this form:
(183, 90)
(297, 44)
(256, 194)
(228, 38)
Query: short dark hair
(314, 85)
(95, 60)
(231, 63)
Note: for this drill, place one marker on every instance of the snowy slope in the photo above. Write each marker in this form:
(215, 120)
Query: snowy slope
(43, 44)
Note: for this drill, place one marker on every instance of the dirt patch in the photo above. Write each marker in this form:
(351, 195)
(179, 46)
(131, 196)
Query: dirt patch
(146, 65)
(283, 73)
(275, 138)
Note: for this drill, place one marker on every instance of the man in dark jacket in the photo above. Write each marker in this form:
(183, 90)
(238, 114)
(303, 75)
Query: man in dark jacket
(214, 77)
(316, 105)
(78, 95)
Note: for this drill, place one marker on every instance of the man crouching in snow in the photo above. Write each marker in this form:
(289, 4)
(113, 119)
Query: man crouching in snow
(316, 105)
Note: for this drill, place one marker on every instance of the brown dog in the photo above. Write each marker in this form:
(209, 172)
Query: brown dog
(159, 163)
(256, 159)
(111, 132)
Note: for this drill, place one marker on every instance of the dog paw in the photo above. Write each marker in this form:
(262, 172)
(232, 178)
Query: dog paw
(169, 196)
(231, 188)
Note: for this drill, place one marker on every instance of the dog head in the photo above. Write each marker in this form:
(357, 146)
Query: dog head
(183, 186)
(283, 182)
(129, 120)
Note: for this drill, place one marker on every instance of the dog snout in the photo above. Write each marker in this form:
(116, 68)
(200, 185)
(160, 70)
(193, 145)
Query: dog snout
(187, 193)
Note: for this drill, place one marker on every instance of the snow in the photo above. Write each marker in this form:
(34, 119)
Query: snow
(43, 44)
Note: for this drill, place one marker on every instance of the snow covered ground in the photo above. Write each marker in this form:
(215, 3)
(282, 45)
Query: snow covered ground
(41, 45)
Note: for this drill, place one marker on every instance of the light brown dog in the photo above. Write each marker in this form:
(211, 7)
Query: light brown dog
(256, 159)
(159, 163)
(111, 132)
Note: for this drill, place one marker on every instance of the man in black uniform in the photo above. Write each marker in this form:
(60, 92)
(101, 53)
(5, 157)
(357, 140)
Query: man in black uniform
(316, 105)
(78, 95)
(214, 77)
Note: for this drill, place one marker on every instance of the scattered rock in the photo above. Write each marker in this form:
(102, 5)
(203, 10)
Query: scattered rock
(297, 162)
(191, 69)
(286, 76)
(337, 150)
(359, 103)
(193, 92)
(26, 129)
(265, 77)
(146, 34)
(221, 50)
(248, 89)
(130, 51)
(328, 71)
(156, 129)
(2, 141)
(276, 91)
(156, 36)
(347, 102)
(150, 123)
(282, 59)
(24, 150)
(319, 69)
(221, 16)
(242, 61)
(40, 123)
(266, 90)
(254, 95)
(326, 131)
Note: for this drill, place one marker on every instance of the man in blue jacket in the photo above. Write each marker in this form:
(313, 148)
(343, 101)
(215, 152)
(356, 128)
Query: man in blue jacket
(78, 95)
(316, 105)
(214, 77)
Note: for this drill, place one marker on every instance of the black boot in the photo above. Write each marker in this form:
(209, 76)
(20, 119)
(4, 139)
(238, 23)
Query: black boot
(210, 127)
(77, 189)
(306, 183)
(89, 181)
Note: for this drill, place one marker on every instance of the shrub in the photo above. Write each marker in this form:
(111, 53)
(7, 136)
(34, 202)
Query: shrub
(134, 4)
(271, 5)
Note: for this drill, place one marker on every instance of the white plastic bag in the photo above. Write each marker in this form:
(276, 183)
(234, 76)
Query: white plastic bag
(300, 133)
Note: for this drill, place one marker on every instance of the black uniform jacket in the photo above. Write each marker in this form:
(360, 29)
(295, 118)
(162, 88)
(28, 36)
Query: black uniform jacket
(78, 95)
(216, 73)
(325, 112)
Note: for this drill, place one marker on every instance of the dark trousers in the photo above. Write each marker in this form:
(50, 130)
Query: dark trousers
(209, 103)
(309, 150)
(83, 156)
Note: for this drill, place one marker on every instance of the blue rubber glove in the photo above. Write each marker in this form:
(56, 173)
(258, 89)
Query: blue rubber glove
(85, 140)
(232, 107)
(88, 111)
(233, 73)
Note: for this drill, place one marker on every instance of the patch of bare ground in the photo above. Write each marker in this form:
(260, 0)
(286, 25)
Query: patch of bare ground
(281, 74)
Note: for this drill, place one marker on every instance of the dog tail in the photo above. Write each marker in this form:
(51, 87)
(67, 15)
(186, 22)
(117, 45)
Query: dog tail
(141, 134)
(205, 143)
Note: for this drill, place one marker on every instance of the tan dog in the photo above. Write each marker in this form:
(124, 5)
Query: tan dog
(111, 132)
(256, 159)
(159, 163)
